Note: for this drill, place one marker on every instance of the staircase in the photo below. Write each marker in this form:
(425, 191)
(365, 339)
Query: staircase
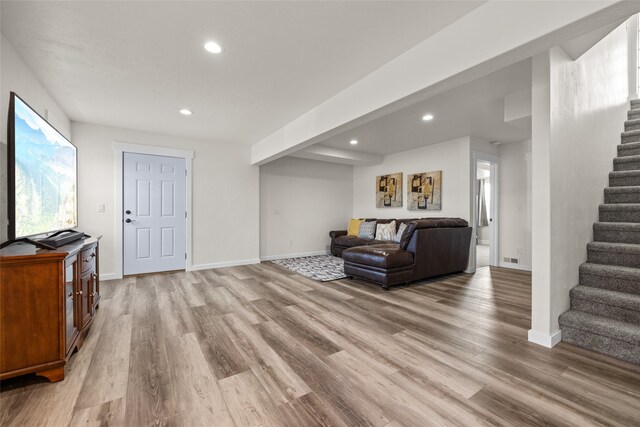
(605, 306)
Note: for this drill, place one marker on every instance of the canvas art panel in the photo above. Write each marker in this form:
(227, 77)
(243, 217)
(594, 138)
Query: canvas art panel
(389, 191)
(424, 191)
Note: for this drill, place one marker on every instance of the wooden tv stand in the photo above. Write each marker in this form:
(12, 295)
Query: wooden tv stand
(48, 299)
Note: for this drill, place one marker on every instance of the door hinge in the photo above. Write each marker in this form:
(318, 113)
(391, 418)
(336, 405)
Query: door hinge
(185, 214)
(185, 255)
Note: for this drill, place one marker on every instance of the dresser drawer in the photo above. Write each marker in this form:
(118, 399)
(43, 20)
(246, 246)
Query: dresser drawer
(88, 259)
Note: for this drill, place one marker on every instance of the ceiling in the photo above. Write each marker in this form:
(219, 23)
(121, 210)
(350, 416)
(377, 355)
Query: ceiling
(135, 64)
(473, 109)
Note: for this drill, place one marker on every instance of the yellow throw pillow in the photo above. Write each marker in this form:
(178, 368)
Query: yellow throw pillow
(354, 227)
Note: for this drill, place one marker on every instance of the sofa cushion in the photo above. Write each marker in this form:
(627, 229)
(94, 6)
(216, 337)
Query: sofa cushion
(386, 232)
(351, 241)
(382, 256)
(367, 230)
(400, 232)
(406, 236)
(354, 227)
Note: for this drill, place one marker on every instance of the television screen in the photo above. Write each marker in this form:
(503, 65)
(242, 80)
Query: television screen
(42, 169)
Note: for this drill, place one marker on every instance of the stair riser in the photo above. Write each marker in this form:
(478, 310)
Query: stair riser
(626, 166)
(609, 283)
(616, 236)
(616, 348)
(620, 216)
(613, 258)
(624, 181)
(630, 197)
(635, 104)
(608, 311)
(631, 126)
(624, 152)
(633, 114)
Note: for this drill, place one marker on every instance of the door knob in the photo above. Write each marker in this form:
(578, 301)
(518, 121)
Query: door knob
(127, 212)
(128, 220)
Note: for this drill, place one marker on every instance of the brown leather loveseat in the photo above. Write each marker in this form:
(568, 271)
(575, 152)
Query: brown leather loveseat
(429, 247)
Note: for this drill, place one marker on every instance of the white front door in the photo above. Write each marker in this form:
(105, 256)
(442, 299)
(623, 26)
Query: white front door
(154, 213)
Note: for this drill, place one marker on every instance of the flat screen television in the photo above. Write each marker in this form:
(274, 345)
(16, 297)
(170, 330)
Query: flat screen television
(42, 175)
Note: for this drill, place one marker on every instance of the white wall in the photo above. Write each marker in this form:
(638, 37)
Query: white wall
(515, 203)
(579, 108)
(225, 194)
(300, 202)
(452, 157)
(16, 77)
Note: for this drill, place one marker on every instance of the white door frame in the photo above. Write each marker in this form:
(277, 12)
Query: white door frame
(119, 148)
(495, 208)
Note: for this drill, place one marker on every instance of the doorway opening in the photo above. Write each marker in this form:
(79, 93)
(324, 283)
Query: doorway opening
(485, 221)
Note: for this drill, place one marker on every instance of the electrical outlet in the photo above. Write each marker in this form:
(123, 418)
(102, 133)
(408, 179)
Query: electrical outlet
(519, 251)
(100, 207)
(290, 242)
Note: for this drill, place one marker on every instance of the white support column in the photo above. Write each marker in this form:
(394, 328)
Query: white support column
(540, 331)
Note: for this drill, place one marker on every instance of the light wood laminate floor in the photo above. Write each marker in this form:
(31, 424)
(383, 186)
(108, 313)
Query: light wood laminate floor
(261, 346)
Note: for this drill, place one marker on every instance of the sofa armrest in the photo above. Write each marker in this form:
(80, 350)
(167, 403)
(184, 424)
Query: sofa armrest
(336, 233)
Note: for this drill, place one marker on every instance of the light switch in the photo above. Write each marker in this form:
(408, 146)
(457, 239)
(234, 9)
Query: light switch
(100, 207)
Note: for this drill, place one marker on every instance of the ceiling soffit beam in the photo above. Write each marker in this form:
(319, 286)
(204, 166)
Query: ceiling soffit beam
(471, 47)
(335, 155)
(580, 45)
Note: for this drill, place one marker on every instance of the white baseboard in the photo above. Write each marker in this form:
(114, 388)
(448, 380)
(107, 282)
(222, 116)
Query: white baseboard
(483, 242)
(544, 339)
(110, 276)
(298, 255)
(514, 266)
(224, 264)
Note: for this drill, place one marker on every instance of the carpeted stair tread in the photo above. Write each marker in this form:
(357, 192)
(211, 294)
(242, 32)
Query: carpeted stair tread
(616, 232)
(620, 212)
(633, 114)
(622, 254)
(626, 163)
(624, 178)
(612, 277)
(630, 136)
(632, 124)
(630, 149)
(607, 297)
(635, 104)
(597, 333)
(621, 331)
(629, 194)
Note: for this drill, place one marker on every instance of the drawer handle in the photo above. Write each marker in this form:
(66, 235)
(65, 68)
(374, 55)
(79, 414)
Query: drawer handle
(70, 295)
(94, 276)
(79, 293)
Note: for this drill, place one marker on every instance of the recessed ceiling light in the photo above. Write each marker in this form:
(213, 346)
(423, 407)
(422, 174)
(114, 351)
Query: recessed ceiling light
(186, 112)
(353, 142)
(427, 117)
(213, 47)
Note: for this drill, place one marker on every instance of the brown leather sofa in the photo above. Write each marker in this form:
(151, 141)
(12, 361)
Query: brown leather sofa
(429, 247)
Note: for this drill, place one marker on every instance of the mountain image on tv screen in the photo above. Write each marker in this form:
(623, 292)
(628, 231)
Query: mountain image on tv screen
(45, 175)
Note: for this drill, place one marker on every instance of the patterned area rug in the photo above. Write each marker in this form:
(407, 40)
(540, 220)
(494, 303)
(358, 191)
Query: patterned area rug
(323, 268)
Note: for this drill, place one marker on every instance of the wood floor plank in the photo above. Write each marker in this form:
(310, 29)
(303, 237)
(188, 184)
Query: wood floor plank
(110, 364)
(196, 391)
(262, 345)
(111, 413)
